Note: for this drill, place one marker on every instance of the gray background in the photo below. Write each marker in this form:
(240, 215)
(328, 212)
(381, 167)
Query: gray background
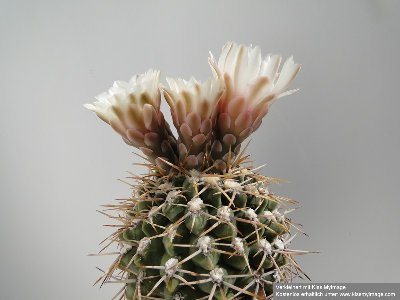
(336, 140)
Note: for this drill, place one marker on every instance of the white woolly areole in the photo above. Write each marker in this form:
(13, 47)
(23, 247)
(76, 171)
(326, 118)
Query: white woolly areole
(178, 297)
(238, 245)
(170, 266)
(143, 244)
(251, 214)
(224, 212)
(232, 184)
(194, 175)
(195, 205)
(251, 188)
(151, 213)
(212, 180)
(165, 186)
(265, 246)
(264, 191)
(269, 215)
(171, 196)
(204, 244)
(217, 275)
(171, 232)
(279, 217)
(279, 244)
(124, 248)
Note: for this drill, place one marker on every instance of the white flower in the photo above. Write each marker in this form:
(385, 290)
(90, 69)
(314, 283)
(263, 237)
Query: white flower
(117, 106)
(193, 108)
(185, 97)
(251, 83)
(247, 75)
(133, 110)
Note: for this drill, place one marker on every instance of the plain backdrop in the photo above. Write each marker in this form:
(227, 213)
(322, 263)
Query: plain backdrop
(336, 141)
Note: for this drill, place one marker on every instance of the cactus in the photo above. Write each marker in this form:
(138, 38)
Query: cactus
(203, 223)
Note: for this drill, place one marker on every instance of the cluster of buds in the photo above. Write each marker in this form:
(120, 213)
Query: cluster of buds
(212, 118)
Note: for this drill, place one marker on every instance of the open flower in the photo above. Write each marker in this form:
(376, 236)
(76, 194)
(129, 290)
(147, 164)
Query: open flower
(194, 108)
(133, 110)
(252, 84)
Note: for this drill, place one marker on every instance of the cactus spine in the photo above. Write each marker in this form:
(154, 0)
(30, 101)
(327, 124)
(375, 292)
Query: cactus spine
(202, 224)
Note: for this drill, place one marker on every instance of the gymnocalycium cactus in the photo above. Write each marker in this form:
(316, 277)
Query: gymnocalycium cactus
(203, 223)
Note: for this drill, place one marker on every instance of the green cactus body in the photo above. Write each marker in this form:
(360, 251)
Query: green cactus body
(202, 224)
(198, 236)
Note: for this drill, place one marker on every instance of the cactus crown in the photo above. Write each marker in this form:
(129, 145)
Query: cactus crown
(203, 223)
